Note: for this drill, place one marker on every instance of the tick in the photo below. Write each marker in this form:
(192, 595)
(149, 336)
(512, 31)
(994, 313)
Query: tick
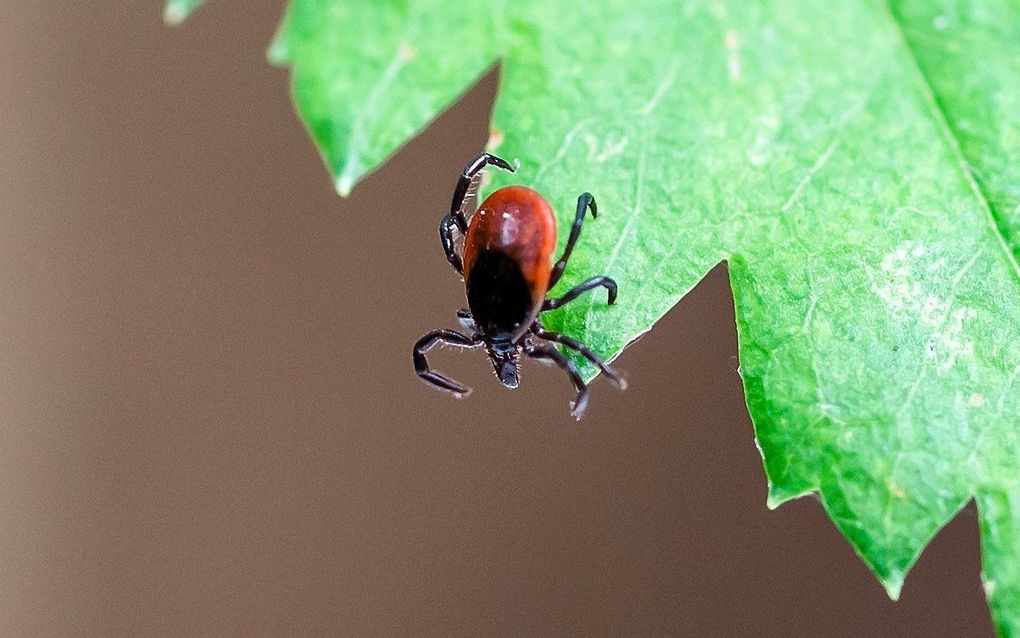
(508, 272)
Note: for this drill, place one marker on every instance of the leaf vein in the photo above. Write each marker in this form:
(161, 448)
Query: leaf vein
(952, 139)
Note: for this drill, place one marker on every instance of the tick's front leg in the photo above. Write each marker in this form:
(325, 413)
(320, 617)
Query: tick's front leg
(433, 378)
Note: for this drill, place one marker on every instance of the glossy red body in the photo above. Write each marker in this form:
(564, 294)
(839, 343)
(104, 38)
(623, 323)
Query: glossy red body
(517, 222)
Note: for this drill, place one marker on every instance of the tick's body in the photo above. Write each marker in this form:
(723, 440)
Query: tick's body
(508, 271)
(508, 261)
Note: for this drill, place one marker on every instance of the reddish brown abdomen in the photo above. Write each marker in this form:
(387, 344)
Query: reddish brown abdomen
(508, 259)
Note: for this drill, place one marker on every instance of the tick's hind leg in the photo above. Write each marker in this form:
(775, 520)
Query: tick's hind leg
(551, 354)
(421, 365)
(585, 351)
(577, 291)
(584, 202)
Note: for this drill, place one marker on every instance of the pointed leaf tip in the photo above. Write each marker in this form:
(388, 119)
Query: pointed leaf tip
(344, 184)
(174, 15)
(893, 584)
(177, 11)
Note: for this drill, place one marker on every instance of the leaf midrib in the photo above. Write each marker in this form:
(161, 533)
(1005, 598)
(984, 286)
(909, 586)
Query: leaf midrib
(938, 112)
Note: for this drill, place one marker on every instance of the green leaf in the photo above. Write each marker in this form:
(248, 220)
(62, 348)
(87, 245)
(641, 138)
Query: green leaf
(177, 11)
(856, 164)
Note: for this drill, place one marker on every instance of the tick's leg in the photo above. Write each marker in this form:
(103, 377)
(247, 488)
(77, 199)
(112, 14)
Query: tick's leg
(585, 351)
(577, 291)
(464, 183)
(446, 227)
(421, 366)
(584, 202)
(466, 320)
(551, 354)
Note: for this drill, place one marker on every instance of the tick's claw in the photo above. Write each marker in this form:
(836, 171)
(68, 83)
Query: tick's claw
(619, 382)
(578, 407)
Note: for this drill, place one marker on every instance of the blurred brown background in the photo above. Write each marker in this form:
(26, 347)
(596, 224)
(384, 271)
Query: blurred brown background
(209, 423)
